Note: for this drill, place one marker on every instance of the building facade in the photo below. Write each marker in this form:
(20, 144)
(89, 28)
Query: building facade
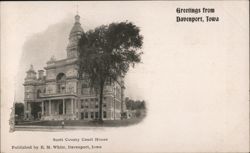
(58, 94)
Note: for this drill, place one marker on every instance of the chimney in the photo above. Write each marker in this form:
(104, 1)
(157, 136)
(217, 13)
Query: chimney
(40, 74)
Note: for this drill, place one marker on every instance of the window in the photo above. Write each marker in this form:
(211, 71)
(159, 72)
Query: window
(108, 82)
(86, 105)
(96, 99)
(86, 115)
(92, 115)
(84, 85)
(96, 106)
(28, 95)
(86, 100)
(104, 114)
(104, 105)
(96, 114)
(82, 104)
(63, 88)
(83, 89)
(92, 99)
(82, 116)
(50, 90)
(61, 82)
(38, 93)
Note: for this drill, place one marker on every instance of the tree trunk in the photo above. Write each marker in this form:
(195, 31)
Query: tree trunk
(100, 102)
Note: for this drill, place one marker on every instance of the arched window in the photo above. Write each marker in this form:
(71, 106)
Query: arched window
(61, 77)
(61, 83)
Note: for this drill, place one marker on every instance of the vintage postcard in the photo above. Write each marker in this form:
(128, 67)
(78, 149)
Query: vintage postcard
(124, 76)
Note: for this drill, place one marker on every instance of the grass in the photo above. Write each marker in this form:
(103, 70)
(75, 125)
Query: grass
(106, 123)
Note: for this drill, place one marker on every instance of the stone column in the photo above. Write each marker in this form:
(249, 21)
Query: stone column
(49, 107)
(71, 106)
(29, 109)
(77, 105)
(74, 108)
(63, 107)
(25, 110)
(42, 107)
(77, 108)
(115, 102)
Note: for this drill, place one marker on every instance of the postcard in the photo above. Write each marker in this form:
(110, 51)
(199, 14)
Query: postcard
(124, 76)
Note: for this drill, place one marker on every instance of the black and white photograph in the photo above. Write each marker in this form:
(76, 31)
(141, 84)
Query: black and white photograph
(87, 87)
(124, 76)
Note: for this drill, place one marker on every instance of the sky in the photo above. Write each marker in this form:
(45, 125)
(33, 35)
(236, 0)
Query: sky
(44, 37)
(194, 77)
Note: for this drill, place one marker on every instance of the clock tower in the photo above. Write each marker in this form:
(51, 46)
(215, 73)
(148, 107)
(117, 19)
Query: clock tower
(74, 36)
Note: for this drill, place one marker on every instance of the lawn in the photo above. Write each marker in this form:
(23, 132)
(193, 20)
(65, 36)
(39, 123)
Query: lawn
(106, 123)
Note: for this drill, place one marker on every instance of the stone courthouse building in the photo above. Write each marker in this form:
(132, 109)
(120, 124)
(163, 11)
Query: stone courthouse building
(58, 94)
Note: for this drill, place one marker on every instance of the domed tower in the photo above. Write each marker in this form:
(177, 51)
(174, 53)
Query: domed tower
(31, 76)
(29, 90)
(29, 84)
(74, 36)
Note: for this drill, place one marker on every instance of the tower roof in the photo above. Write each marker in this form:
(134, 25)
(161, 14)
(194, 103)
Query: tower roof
(77, 28)
(31, 70)
(75, 34)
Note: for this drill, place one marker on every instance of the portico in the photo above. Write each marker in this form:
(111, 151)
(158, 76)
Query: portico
(59, 108)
